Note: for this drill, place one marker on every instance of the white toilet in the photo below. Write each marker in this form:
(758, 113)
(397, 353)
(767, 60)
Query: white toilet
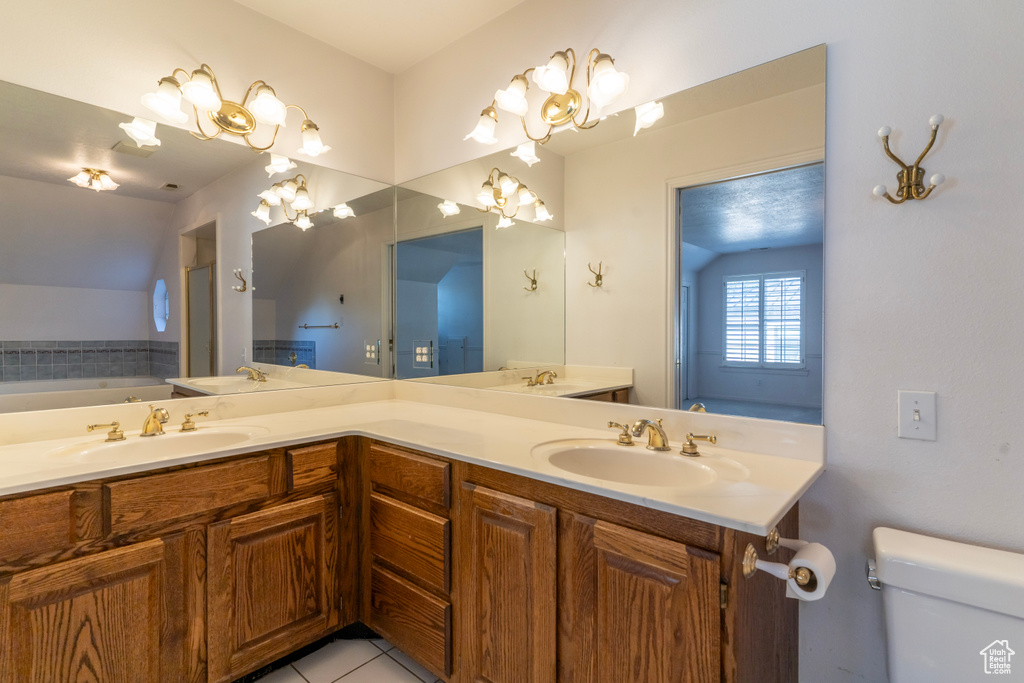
(953, 612)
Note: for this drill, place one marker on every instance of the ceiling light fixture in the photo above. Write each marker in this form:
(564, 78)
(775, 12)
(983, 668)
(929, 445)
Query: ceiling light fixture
(202, 91)
(563, 105)
(527, 153)
(448, 208)
(94, 179)
(505, 195)
(142, 131)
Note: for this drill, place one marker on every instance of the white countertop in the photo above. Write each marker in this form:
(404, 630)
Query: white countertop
(752, 491)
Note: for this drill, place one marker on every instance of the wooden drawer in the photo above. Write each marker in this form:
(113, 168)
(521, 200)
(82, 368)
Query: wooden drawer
(415, 621)
(135, 504)
(411, 540)
(35, 525)
(425, 481)
(314, 464)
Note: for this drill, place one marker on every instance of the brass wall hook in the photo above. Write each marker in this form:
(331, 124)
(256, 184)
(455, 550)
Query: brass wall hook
(532, 279)
(598, 278)
(910, 178)
(242, 287)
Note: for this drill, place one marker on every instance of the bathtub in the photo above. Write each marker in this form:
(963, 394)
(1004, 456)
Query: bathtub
(71, 393)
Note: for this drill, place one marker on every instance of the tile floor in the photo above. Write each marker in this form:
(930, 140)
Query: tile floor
(353, 661)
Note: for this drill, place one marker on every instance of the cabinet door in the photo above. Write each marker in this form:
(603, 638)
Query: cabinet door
(273, 585)
(635, 607)
(507, 588)
(96, 618)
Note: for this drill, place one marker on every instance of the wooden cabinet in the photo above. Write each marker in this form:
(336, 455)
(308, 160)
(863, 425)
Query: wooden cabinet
(507, 580)
(273, 584)
(634, 606)
(106, 617)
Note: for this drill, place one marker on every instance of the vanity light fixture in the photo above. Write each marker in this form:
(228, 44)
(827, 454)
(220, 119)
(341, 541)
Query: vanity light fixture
(343, 210)
(279, 164)
(94, 179)
(910, 178)
(291, 195)
(202, 91)
(448, 208)
(302, 220)
(647, 114)
(563, 105)
(505, 195)
(142, 131)
(527, 152)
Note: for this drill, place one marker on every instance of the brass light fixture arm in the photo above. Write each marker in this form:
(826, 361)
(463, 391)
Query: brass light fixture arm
(586, 115)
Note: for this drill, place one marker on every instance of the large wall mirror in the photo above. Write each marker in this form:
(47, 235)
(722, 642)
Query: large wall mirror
(707, 232)
(105, 295)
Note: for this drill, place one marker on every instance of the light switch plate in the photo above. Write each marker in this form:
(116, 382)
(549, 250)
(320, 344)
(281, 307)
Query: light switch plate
(916, 416)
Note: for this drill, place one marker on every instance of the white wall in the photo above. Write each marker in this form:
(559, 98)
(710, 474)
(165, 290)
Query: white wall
(110, 53)
(34, 313)
(799, 387)
(920, 296)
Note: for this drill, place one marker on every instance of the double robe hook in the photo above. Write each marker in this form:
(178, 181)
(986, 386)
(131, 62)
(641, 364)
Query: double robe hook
(910, 178)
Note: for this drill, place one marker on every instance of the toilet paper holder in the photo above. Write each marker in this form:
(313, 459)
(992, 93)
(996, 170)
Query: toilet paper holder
(802, 575)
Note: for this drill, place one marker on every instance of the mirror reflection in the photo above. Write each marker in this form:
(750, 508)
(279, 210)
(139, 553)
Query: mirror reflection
(722, 194)
(97, 287)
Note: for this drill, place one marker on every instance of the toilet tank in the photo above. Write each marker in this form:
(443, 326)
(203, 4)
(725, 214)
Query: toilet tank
(953, 612)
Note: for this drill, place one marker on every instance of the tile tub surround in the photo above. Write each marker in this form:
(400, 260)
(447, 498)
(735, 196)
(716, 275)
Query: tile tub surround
(25, 361)
(278, 351)
(493, 429)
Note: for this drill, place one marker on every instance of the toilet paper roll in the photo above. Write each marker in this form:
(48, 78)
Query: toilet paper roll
(822, 564)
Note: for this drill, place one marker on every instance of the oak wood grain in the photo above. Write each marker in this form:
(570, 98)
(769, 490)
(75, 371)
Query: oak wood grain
(412, 477)
(412, 619)
(411, 540)
(508, 587)
(35, 524)
(313, 465)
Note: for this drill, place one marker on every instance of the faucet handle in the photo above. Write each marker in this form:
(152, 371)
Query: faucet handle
(115, 433)
(188, 425)
(625, 438)
(690, 448)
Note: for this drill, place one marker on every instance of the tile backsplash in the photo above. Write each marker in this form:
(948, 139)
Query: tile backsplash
(279, 351)
(24, 361)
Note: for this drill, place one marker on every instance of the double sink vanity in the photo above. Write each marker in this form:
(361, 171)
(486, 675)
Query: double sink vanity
(491, 536)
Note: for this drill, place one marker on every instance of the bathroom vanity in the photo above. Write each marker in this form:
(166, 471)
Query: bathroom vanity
(208, 568)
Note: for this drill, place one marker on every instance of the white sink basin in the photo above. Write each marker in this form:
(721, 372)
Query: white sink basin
(636, 465)
(234, 385)
(166, 445)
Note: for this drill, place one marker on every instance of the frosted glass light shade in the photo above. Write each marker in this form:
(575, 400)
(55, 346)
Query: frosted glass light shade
(344, 211)
(263, 212)
(105, 182)
(542, 211)
(486, 195)
(527, 153)
(484, 131)
(526, 195)
(513, 100)
(504, 222)
(311, 143)
(199, 91)
(266, 108)
(606, 82)
(288, 190)
(302, 221)
(142, 131)
(302, 202)
(270, 197)
(82, 179)
(507, 184)
(278, 164)
(647, 114)
(448, 208)
(166, 101)
(553, 77)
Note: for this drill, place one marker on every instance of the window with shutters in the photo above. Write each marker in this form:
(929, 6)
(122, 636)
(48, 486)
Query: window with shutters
(763, 320)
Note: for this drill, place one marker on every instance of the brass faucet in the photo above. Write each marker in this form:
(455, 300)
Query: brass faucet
(625, 438)
(154, 424)
(656, 438)
(188, 425)
(548, 375)
(254, 374)
(115, 433)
